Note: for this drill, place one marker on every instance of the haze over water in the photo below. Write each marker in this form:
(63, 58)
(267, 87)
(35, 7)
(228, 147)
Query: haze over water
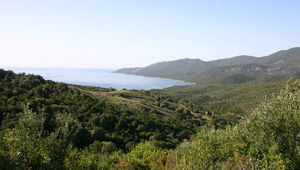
(99, 78)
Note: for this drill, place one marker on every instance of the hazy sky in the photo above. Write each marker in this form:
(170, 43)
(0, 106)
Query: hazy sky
(126, 33)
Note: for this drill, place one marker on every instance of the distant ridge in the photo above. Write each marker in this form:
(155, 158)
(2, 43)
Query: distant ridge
(239, 69)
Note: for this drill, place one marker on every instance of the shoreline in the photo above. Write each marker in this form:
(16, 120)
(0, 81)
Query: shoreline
(36, 71)
(190, 83)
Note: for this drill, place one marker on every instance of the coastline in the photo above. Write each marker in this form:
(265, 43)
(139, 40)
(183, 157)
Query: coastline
(190, 83)
(66, 75)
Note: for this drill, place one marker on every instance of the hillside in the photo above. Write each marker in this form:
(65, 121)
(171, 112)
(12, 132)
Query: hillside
(49, 125)
(282, 64)
(169, 69)
(123, 117)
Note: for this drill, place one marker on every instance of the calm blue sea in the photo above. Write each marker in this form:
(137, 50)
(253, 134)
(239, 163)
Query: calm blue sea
(100, 78)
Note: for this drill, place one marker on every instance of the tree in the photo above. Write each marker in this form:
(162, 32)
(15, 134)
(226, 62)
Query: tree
(30, 147)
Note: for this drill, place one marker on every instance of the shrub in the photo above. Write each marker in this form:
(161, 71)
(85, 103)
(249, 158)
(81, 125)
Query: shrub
(144, 156)
(29, 146)
(269, 138)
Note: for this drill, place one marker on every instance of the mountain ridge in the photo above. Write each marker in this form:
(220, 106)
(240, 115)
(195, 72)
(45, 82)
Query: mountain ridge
(282, 63)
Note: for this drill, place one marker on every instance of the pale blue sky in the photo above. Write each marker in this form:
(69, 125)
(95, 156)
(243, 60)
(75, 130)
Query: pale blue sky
(127, 33)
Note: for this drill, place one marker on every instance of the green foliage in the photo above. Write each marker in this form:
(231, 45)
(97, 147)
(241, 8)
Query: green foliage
(99, 155)
(224, 100)
(144, 156)
(209, 148)
(70, 127)
(25, 141)
(268, 139)
(60, 142)
(102, 147)
(29, 146)
(277, 124)
(101, 120)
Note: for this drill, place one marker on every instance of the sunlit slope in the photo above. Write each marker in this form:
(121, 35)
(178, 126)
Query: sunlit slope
(240, 69)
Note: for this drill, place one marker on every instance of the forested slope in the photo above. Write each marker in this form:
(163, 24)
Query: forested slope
(240, 69)
(48, 125)
(102, 119)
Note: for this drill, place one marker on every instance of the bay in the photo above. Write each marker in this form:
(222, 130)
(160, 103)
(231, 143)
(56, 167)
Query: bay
(99, 78)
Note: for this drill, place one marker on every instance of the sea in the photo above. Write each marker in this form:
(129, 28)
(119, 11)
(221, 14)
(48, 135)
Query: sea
(100, 78)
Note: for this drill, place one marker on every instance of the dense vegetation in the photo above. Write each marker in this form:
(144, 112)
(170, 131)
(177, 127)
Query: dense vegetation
(240, 69)
(268, 138)
(49, 125)
(237, 99)
(100, 120)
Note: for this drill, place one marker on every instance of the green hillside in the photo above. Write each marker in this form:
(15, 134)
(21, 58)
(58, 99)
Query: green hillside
(178, 68)
(282, 64)
(238, 116)
(49, 125)
(124, 118)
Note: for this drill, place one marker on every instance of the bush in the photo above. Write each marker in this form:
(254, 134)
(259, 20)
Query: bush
(93, 157)
(269, 138)
(144, 156)
(29, 146)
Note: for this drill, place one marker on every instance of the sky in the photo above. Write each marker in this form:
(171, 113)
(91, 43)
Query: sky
(131, 33)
